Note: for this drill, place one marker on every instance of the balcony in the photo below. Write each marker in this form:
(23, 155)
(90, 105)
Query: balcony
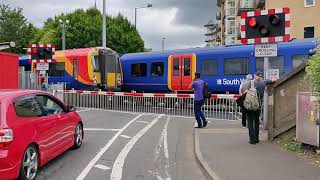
(246, 5)
(218, 15)
(260, 4)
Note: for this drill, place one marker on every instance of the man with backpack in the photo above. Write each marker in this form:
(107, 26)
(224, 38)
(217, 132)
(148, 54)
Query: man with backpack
(254, 91)
(199, 86)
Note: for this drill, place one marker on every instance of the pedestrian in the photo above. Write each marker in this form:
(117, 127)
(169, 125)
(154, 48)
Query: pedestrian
(44, 85)
(198, 86)
(243, 110)
(253, 115)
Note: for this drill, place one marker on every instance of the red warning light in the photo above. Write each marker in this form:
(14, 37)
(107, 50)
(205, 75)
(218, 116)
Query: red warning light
(34, 50)
(252, 22)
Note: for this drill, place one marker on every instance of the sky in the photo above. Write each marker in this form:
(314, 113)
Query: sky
(180, 22)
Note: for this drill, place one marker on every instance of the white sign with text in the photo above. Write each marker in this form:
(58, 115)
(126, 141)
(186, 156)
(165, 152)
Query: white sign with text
(266, 50)
(272, 73)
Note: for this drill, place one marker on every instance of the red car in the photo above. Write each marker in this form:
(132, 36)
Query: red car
(35, 127)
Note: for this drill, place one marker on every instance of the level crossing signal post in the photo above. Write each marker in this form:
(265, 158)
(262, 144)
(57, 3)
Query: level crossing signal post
(265, 28)
(41, 55)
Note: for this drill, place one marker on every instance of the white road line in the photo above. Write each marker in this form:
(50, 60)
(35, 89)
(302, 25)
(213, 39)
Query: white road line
(117, 168)
(102, 167)
(125, 136)
(85, 110)
(165, 146)
(145, 122)
(86, 170)
(100, 129)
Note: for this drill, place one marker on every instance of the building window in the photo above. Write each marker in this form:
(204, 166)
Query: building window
(56, 69)
(274, 63)
(231, 8)
(309, 32)
(309, 3)
(209, 67)
(232, 27)
(139, 70)
(297, 60)
(236, 66)
(157, 69)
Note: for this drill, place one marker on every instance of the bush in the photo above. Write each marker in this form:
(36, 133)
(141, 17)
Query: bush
(313, 72)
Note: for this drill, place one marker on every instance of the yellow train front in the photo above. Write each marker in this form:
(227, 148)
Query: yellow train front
(87, 69)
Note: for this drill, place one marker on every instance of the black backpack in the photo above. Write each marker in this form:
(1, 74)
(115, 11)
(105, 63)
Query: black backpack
(206, 92)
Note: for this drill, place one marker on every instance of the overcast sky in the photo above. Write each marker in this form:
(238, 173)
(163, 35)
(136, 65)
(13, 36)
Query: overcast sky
(179, 21)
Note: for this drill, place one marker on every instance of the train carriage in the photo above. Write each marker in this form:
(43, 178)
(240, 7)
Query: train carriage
(224, 68)
(85, 69)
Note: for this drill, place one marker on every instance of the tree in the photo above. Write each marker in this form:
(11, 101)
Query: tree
(85, 29)
(15, 27)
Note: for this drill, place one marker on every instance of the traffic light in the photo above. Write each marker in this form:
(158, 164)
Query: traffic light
(41, 51)
(263, 26)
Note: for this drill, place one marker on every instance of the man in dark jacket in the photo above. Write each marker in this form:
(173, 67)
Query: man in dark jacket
(253, 116)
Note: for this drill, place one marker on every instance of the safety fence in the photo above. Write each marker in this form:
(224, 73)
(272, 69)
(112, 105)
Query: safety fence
(222, 107)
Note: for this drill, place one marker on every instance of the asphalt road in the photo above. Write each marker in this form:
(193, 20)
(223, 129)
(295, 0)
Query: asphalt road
(129, 146)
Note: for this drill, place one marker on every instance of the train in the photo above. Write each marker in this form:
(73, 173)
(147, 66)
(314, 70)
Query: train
(84, 68)
(224, 68)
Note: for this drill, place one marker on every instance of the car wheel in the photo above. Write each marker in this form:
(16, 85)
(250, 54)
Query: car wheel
(78, 136)
(29, 165)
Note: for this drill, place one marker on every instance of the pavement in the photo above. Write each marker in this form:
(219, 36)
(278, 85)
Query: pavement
(223, 151)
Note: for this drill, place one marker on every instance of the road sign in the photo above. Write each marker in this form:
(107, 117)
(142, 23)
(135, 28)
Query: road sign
(272, 73)
(42, 66)
(266, 50)
(265, 26)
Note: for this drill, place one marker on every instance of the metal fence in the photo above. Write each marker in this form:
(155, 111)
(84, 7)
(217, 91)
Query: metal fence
(27, 79)
(221, 107)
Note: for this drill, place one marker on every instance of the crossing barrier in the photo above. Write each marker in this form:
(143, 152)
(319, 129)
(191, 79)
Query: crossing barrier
(219, 106)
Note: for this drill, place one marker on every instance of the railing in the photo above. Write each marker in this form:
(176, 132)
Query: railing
(222, 107)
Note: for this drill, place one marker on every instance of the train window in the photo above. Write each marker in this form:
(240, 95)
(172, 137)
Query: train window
(111, 63)
(56, 69)
(95, 63)
(75, 68)
(274, 63)
(139, 70)
(209, 67)
(157, 69)
(236, 66)
(299, 59)
(176, 68)
(187, 67)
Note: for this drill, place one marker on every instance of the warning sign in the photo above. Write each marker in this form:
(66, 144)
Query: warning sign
(266, 50)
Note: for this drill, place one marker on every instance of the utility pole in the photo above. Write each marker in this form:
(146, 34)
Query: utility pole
(104, 33)
(64, 24)
(135, 13)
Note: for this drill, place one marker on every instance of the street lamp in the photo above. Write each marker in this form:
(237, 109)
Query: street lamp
(135, 13)
(163, 43)
(64, 24)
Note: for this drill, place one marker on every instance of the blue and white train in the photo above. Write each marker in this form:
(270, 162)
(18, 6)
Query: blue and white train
(224, 68)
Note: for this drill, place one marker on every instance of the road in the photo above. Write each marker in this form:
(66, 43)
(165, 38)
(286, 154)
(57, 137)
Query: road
(129, 146)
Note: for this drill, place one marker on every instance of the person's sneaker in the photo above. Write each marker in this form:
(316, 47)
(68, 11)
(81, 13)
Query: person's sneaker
(257, 141)
(244, 127)
(205, 123)
(250, 142)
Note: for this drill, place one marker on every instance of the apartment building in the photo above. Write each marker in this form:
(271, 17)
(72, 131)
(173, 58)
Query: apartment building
(305, 15)
(226, 18)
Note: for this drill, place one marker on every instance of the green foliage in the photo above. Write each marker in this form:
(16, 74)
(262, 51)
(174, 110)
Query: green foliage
(85, 30)
(14, 27)
(313, 72)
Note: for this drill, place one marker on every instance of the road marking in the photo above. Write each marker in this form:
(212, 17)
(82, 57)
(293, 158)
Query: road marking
(86, 170)
(102, 167)
(117, 168)
(145, 122)
(125, 136)
(100, 129)
(85, 110)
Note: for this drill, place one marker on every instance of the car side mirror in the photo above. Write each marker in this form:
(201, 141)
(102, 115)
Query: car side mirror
(71, 108)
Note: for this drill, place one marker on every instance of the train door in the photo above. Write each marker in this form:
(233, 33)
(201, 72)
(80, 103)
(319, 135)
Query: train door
(182, 72)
